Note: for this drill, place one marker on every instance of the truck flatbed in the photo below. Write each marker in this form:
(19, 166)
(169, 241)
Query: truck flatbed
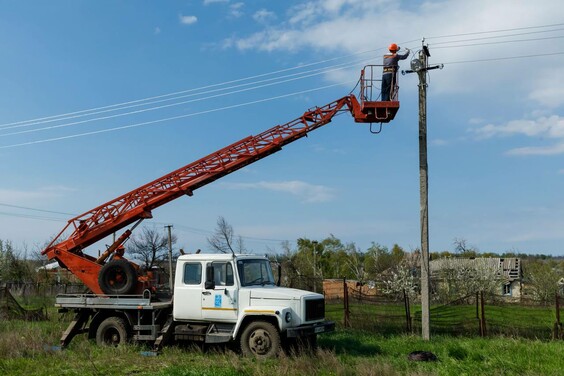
(140, 302)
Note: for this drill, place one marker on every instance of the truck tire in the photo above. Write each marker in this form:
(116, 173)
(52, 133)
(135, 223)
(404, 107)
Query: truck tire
(260, 339)
(112, 332)
(117, 277)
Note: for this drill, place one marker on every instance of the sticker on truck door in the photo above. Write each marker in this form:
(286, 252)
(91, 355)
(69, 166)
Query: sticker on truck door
(217, 301)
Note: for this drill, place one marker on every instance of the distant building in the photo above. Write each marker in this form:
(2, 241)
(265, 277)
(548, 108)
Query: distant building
(507, 270)
(334, 288)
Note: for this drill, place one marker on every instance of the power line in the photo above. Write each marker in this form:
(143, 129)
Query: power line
(496, 31)
(497, 36)
(39, 210)
(185, 91)
(115, 107)
(170, 118)
(342, 66)
(28, 216)
(503, 58)
(500, 42)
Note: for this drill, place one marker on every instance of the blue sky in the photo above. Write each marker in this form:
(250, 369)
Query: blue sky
(495, 118)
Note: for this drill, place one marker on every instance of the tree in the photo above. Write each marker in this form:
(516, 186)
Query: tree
(542, 278)
(150, 247)
(462, 248)
(13, 267)
(224, 239)
(461, 277)
(403, 277)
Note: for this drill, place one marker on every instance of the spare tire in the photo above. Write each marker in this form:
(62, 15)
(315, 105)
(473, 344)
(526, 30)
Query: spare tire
(117, 277)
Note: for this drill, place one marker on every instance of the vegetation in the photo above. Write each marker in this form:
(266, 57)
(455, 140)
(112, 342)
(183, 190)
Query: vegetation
(26, 349)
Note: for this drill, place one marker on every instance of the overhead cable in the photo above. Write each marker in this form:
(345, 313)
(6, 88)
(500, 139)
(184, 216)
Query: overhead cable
(316, 72)
(186, 91)
(170, 118)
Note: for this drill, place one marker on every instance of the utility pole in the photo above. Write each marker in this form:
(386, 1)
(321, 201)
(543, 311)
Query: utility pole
(170, 270)
(420, 66)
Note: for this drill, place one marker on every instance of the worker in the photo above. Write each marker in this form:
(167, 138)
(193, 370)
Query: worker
(390, 69)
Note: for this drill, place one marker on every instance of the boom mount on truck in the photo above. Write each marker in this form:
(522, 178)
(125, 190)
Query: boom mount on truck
(120, 276)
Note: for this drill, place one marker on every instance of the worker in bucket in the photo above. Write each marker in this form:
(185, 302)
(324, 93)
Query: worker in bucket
(389, 77)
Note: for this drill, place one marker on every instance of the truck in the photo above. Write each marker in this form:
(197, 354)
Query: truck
(216, 298)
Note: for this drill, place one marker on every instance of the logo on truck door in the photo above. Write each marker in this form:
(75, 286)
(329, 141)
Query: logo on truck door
(217, 301)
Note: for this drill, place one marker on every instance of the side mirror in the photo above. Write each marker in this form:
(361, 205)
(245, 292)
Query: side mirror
(210, 282)
(279, 275)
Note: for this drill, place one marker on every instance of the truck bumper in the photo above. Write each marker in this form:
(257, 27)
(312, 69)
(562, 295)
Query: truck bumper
(306, 330)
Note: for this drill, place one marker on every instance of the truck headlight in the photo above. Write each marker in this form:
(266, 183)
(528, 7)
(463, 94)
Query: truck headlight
(288, 317)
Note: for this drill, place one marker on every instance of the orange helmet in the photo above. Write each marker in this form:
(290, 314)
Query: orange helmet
(393, 47)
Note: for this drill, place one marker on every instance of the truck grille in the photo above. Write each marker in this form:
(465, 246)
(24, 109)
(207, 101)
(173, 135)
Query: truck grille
(315, 309)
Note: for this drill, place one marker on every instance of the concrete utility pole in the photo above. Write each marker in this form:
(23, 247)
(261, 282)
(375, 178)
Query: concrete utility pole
(170, 270)
(420, 66)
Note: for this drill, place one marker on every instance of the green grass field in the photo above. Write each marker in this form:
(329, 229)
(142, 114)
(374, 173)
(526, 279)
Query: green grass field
(26, 349)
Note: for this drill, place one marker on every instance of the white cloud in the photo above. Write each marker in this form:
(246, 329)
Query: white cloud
(264, 16)
(188, 20)
(308, 193)
(552, 127)
(548, 88)
(236, 10)
(208, 2)
(157, 30)
(351, 26)
(538, 150)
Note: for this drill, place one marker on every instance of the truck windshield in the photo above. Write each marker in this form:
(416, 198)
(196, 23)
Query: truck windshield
(255, 272)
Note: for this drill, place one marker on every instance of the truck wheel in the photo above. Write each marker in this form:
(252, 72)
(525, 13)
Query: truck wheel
(260, 339)
(112, 332)
(117, 277)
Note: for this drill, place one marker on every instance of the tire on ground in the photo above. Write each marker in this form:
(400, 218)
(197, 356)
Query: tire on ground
(117, 277)
(260, 339)
(113, 331)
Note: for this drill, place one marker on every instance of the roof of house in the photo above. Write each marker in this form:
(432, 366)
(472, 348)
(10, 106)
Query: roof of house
(508, 268)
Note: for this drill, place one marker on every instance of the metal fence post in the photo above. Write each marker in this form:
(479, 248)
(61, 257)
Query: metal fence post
(347, 322)
(407, 312)
(483, 316)
(557, 332)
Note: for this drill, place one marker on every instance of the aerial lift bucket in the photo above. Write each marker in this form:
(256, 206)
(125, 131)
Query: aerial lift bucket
(371, 109)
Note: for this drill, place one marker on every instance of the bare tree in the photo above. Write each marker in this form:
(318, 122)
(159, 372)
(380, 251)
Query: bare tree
(150, 246)
(224, 239)
(463, 249)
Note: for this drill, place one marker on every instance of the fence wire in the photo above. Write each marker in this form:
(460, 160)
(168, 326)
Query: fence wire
(474, 315)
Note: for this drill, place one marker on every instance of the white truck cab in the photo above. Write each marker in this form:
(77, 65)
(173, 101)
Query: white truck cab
(235, 291)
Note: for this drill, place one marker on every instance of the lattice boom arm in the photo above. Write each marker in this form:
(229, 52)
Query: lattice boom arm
(102, 221)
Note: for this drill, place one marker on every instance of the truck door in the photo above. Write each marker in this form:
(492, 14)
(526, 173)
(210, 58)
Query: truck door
(221, 303)
(188, 292)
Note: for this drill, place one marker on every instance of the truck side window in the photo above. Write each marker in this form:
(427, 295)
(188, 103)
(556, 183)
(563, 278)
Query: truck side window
(192, 273)
(223, 274)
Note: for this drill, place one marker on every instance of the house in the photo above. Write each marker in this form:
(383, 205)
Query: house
(334, 288)
(506, 270)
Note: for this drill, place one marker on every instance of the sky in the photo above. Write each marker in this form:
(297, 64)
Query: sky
(100, 97)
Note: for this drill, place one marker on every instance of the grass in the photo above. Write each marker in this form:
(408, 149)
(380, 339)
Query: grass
(25, 349)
